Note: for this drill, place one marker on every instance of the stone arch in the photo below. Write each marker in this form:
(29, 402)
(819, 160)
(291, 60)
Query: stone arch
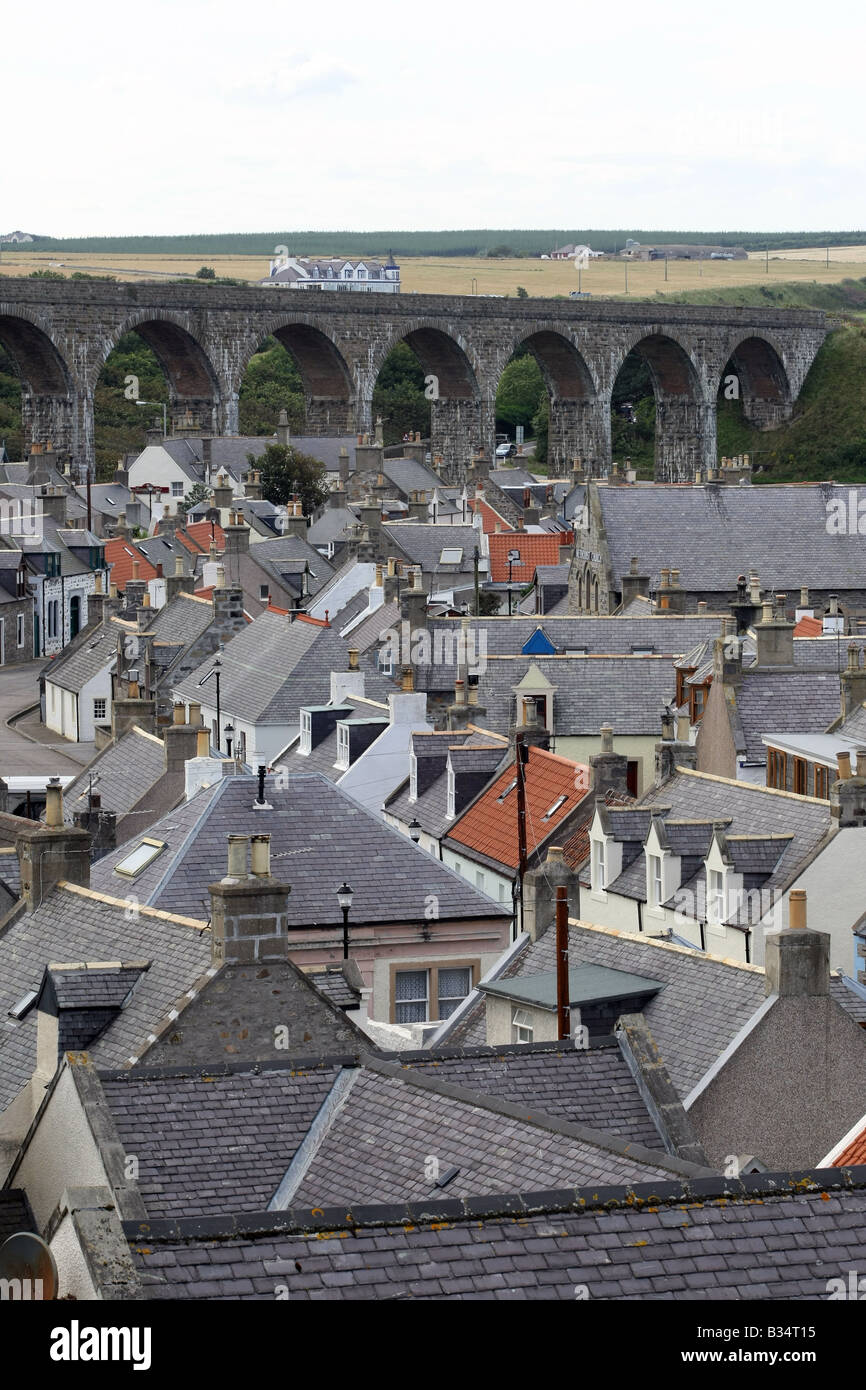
(577, 428)
(48, 404)
(329, 390)
(762, 381)
(193, 383)
(685, 417)
(460, 419)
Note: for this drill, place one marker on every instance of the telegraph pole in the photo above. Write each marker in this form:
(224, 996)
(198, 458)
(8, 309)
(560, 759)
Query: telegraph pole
(563, 1011)
(522, 750)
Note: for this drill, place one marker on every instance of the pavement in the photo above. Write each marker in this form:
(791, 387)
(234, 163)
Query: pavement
(21, 756)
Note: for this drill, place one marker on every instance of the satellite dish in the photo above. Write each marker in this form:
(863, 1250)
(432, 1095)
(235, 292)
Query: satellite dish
(27, 1258)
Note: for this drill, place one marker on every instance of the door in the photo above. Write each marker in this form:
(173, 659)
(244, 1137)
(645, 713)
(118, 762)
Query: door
(74, 616)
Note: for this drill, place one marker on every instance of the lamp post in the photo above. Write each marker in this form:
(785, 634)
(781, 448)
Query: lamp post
(229, 733)
(344, 898)
(513, 559)
(414, 830)
(215, 670)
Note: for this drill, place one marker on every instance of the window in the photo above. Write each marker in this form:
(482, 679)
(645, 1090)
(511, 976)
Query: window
(510, 788)
(521, 1026)
(177, 489)
(560, 801)
(53, 612)
(598, 868)
(347, 273)
(715, 897)
(821, 783)
(451, 555)
(136, 862)
(450, 812)
(19, 635)
(452, 988)
(655, 884)
(263, 592)
(411, 995)
(697, 704)
(306, 731)
(413, 777)
(342, 745)
(777, 769)
(800, 776)
(99, 708)
(479, 879)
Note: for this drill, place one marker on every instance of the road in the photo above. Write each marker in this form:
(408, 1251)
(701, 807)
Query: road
(19, 687)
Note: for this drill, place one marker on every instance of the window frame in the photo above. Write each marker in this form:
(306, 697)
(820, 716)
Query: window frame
(432, 969)
(305, 748)
(103, 701)
(343, 746)
(521, 1022)
(822, 782)
(655, 881)
(598, 865)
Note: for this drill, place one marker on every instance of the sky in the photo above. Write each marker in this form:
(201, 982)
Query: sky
(145, 117)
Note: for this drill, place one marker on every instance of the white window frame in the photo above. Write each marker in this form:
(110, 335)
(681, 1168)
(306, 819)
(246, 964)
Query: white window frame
(655, 880)
(716, 898)
(455, 999)
(398, 1003)
(97, 701)
(343, 756)
(522, 1029)
(19, 630)
(450, 810)
(413, 776)
(177, 489)
(598, 866)
(306, 733)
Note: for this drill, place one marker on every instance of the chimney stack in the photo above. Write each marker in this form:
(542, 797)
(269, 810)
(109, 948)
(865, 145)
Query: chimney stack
(248, 909)
(51, 853)
(796, 959)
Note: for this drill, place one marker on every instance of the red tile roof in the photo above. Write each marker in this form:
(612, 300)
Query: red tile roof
(575, 849)
(120, 554)
(197, 537)
(809, 627)
(536, 548)
(855, 1152)
(490, 824)
(489, 517)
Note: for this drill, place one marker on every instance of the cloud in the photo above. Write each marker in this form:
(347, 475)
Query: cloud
(299, 77)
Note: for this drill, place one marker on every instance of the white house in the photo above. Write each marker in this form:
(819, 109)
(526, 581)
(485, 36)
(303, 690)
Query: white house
(333, 273)
(78, 686)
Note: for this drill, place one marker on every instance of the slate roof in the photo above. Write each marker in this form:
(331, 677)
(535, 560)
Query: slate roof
(430, 808)
(591, 1086)
(373, 628)
(122, 773)
(410, 475)
(273, 667)
(93, 650)
(712, 534)
(778, 1237)
(15, 1213)
(627, 692)
(803, 700)
(79, 925)
(320, 836)
(333, 523)
(423, 543)
(182, 621)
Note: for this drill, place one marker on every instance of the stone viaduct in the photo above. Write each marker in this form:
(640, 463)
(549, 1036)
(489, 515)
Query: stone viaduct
(60, 333)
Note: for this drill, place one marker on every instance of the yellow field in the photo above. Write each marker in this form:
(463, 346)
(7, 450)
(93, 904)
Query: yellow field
(470, 275)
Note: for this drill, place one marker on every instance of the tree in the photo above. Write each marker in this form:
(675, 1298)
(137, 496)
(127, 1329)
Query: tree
(200, 492)
(287, 473)
(522, 293)
(520, 392)
(207, 272)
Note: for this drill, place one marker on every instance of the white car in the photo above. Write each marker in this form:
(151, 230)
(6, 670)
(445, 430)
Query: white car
(505, 451)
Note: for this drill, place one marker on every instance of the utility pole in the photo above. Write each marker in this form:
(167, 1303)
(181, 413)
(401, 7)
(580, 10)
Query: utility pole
(522, 751)
(625, 264)
(563, 1011)
(666, 265)
(477, 584)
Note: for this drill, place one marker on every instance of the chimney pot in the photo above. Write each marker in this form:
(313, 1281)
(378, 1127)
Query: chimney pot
(202, 744)
(237, 856)
(54, 802)
(607, 738)
(407, 680)
(804, 598)
(221, 577)
(353, 658)
(178, 714)
(136, 567)
(844, 761)
(861, 762)
(260, 856)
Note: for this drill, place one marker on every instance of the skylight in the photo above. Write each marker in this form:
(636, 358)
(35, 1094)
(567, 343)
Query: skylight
(560, 801)
(509, 788)
(136, 862)
(451, 555)
(24, 1005)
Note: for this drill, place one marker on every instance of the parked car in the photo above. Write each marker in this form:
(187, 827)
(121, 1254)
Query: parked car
(506, 451)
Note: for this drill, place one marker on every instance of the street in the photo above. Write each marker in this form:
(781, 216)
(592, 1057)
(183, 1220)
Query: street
(19, 687)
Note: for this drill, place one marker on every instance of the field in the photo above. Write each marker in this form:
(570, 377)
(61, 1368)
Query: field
(476, 275)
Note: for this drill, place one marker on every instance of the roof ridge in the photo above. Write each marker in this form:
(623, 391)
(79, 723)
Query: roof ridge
(751, 786)
(142, 733)
(140, 908)
(664, 945)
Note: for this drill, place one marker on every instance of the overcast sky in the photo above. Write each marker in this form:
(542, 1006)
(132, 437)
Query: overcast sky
(204, 116)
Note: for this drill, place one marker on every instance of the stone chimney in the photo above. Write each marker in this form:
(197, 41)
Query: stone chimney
(775, 634)
(296, 522)
(459, 714)
(253, 485)
(418, 506)
(609, 769)
(539, 893)
(133, 711)
(237, 534)
(284, 434)
(413, 603)
(51, 853)
(853, 681)
(180, 582)
(228, 607)
(180, 739)
(634, 583)
(154, 436)
(797, 960)
(369, 457)
(168, 524)
(38, 466)
(727, 659)
(249, 920)
(222, 493)
(848, 792)
(670, 596)
(670, 753)
(54, 502)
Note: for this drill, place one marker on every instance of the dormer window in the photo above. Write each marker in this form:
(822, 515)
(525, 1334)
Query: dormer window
(598, 866)
(347, 273)
(342, 745)
(306, 733)
(362, 275)
(451, 793)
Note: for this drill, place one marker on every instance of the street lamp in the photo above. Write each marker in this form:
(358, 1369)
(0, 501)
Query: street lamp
(344, 898)
(164, 414)
(229, 733)
(414, 830)
(513, 559)
(215, 670)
